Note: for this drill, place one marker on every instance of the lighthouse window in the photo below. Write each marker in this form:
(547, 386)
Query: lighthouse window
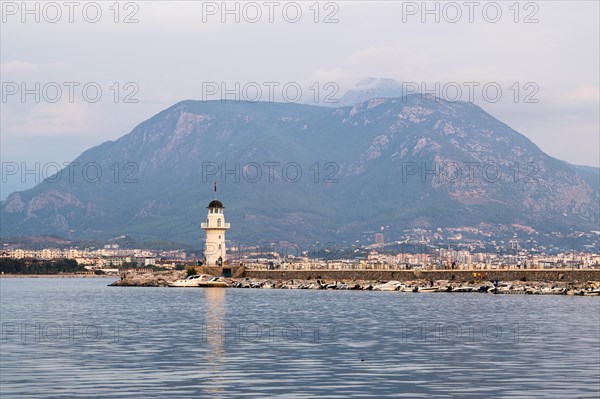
(218, 222)
(206, 222)
(219, 237)
(219, 246)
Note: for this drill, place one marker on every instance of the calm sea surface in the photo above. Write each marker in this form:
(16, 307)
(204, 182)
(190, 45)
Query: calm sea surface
(79, 338)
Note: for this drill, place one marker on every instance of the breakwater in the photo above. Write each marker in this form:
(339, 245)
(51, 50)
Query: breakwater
(558, 275)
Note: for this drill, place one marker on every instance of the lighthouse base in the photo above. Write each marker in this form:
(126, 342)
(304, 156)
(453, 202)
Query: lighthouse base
(225, 271)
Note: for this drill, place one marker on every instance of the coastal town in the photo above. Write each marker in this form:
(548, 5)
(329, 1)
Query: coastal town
(376, 266)
(111, 258)
(450, 249)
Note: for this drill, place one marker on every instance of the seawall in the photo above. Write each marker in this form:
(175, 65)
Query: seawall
(563, 275)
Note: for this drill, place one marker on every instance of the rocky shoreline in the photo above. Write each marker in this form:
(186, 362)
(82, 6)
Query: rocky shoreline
(162, 279)
(156, 279)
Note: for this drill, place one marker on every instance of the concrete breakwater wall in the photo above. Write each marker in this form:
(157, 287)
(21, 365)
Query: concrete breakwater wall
(562, 275)
(233, 271)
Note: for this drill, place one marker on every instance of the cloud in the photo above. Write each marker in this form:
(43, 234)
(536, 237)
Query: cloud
(175, 52)
(47, 119)
(23, 69)
(329, 75)
(586, 93)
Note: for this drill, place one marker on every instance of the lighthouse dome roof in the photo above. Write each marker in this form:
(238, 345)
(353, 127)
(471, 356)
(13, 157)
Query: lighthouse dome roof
(215, 204)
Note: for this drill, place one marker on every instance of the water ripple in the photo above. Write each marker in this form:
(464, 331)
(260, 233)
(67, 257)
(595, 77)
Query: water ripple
(184, 343)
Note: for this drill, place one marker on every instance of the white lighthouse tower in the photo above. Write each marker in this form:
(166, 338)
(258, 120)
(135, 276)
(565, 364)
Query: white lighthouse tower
(215, 228)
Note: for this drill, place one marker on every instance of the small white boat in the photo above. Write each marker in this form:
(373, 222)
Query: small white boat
(392, 285)
(501, 289)
(595, 292)
(428, 289)
(214, 282)
(291, 286)
(190, 281)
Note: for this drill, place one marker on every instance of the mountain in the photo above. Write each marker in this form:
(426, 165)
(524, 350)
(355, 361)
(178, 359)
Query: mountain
(303, 173)
(590, 174)
(369, 88)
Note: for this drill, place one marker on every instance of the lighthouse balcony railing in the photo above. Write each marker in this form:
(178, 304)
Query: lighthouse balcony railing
(205, 225)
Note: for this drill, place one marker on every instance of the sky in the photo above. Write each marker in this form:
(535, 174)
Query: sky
(77, 74)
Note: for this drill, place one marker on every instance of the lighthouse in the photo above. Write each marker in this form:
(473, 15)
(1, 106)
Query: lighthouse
(215, 228)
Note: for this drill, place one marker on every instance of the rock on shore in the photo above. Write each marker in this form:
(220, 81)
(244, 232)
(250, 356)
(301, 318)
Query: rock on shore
(156, 279)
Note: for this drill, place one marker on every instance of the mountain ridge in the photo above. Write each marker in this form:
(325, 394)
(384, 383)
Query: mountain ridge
(368, 148)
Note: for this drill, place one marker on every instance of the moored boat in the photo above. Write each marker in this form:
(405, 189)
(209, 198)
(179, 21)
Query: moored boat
(595, 292)
(214, 282)
(190, 281)
(392, 285)
(428, 289)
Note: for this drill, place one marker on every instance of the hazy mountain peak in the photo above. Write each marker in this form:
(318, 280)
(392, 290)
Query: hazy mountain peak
(371, 81)
(369, 88)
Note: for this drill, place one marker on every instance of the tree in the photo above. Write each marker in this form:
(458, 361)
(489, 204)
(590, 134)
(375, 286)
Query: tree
(36, 266)
(128, 265)
(191, 271)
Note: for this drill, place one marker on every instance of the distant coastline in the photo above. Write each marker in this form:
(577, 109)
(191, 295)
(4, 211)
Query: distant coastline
(64, 275)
